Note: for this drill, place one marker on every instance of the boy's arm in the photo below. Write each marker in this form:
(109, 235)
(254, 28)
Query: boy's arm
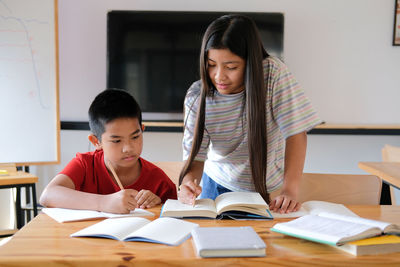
(61, 193)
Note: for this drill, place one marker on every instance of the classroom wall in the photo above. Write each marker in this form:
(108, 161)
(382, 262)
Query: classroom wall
(340, 51)
(82, 61)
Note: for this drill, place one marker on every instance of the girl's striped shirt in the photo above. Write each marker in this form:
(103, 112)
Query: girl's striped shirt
(224, 146)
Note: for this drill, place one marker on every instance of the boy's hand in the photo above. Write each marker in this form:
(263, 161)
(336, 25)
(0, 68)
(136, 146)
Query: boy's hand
(146, 199)
(123, 201)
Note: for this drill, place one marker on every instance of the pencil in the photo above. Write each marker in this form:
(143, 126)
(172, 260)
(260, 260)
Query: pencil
(194, 195)
(115, 176)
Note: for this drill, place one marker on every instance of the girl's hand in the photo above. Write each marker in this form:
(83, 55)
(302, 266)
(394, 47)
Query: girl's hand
(188, 192)
(284, 203)
(146, 199)
(122, 201)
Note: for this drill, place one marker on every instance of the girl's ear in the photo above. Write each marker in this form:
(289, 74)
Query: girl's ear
(95, 141)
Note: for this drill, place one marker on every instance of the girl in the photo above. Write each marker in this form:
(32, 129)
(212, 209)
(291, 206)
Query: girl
(245, 120)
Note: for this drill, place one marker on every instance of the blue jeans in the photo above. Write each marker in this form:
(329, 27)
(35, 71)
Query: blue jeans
(210, 188)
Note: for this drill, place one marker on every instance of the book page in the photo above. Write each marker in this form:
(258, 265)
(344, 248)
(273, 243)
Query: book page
(368, 222)
(325, 230)
(202, 207)
(115, 228)
(168, 231)
(234, 200)
(315, 207)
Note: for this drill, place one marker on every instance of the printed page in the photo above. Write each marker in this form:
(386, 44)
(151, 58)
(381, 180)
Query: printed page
(168, 231)
(247, 199)
(202, 207)
(316, 207)
(325, 230)
(368, 222)
(115, 228)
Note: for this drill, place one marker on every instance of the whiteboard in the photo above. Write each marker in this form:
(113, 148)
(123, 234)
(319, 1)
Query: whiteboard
(29, 119)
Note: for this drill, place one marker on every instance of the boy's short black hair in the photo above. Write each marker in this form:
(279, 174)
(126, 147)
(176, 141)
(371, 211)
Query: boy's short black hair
(109, 105)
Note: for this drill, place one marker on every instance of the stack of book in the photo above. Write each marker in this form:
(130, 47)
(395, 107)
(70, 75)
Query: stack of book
(355, 235)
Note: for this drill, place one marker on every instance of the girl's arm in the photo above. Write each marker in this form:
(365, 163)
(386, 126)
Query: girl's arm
(295, 154)
(190, 189)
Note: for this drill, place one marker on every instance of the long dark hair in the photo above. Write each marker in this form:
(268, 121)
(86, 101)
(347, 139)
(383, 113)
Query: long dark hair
(239, 34)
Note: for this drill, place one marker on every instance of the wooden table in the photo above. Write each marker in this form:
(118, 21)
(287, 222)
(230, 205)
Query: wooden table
(18, 180)
(387, 171)
(45, 242)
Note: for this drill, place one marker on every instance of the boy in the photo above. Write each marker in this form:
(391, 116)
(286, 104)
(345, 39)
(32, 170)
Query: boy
(87, 182)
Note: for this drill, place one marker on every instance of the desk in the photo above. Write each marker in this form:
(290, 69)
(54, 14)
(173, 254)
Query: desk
(45, 242)
(19, 179)
(387, 171)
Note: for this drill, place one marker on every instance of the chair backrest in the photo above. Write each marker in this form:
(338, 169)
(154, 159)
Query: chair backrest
(339, 188)
(350, 189)
(391, 153)
(172, 169)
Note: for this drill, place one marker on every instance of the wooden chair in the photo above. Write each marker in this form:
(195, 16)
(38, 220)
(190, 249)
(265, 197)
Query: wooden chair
(391, 154)
(338, 188)
(172, 169)
(349, 189)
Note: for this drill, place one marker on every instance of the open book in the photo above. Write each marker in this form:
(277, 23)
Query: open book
(334, 229)
(71, 215)
(234, 205)
(167, 231)
(315, 207)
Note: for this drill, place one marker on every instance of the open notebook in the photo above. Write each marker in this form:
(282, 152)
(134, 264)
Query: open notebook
(169, 231)
(315, 207)
(71, 215)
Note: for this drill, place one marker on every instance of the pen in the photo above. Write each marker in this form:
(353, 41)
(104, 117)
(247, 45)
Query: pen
(115, 175)
(194, 195)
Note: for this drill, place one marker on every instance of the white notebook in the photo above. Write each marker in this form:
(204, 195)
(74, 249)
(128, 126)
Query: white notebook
(228, 242)
(169, 231)
(315, 207)
(71, 215)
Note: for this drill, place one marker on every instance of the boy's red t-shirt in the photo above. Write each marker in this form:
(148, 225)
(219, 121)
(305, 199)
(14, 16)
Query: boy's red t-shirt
(89, 174)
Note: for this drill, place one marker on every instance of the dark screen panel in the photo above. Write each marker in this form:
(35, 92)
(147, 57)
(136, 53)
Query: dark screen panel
(155, 55)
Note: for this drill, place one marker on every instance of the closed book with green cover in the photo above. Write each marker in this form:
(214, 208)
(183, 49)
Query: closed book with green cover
(228, 242)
